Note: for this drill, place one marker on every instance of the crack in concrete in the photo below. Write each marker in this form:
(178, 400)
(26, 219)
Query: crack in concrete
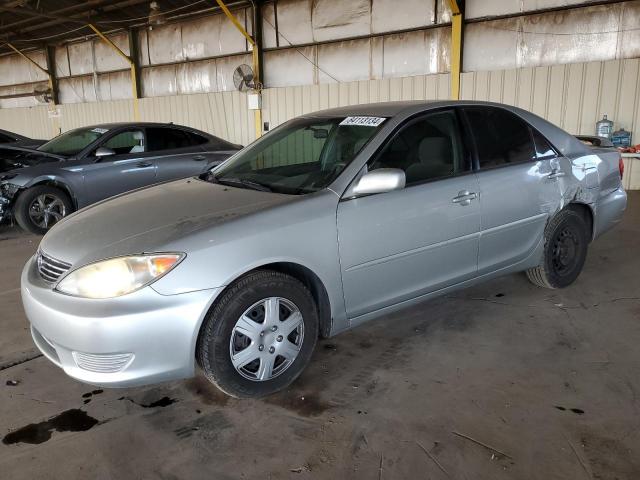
(20, 362)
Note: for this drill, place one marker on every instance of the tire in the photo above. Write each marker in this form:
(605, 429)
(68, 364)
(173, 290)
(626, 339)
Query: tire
(565, 250)
(56, 203)
(225, 332)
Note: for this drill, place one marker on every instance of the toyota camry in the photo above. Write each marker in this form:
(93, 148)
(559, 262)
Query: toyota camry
(332, 219)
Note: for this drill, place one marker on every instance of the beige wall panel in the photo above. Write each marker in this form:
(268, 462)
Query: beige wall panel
(628, 97)
(610, 79)
(496, 85)
(444, 86)
(510, 86)
(574, 97)
(384, 89)
(525, 88)
(539, 95)
(407, 88)
(467, 85)
(482, 86)
(418, 88)
(31, 122)
(556, 93)
(590, 98)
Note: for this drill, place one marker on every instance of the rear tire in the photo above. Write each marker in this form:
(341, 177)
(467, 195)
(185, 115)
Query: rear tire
(41, 207)
(259, 336)
(565, 250)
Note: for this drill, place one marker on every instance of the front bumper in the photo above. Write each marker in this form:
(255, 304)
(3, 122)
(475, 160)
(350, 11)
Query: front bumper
(136, 339)
(5, 208)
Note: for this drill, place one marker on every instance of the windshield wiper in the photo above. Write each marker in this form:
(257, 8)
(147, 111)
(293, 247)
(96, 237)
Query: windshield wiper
(242, 182)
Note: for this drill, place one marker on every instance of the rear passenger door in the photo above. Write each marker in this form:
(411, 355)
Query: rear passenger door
(178, 153)
(400, 245)
(518, 174)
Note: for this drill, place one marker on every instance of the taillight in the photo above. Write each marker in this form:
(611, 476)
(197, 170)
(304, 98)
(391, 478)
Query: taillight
(621, 167)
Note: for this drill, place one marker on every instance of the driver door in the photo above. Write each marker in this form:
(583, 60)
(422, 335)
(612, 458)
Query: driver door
(402, 244)
(128, 168)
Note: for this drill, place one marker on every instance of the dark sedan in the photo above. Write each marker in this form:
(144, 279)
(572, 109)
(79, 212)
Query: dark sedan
(80, 167)
(8, 138)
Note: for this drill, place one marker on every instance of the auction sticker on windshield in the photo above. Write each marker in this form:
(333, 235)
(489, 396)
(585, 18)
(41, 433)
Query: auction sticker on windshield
(100, 130)
(363, 121)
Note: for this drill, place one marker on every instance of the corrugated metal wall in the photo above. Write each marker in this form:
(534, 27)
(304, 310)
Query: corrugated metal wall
(572, 96)
(281, 104)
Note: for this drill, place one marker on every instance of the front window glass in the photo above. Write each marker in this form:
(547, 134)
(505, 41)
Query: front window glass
(129, 141)
(73, 141)
(303, 156)
(426, 149)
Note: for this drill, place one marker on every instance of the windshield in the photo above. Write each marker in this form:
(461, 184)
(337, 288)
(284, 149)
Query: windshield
(302, 156)
(72, 142)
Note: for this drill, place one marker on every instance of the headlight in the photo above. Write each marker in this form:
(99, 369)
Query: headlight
(8, 189)
(117, 276)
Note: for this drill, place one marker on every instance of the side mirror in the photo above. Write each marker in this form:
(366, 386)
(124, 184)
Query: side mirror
(378, 181)
(104, 152)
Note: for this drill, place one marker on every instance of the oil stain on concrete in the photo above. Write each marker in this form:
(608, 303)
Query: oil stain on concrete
(73, 420)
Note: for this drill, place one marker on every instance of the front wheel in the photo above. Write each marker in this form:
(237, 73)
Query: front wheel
(259, 336)
(565, 251)
(39, 208)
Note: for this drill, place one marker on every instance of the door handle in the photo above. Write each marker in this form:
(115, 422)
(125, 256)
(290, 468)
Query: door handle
(556, 174)
(199, 158)
(464, 197)
(144, 164)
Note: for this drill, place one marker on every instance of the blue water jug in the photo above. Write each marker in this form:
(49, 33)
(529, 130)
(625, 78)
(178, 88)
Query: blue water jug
(621, 138)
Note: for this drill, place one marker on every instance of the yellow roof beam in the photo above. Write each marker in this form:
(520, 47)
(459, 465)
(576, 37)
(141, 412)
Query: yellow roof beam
(457, 18)
(254, 51)
(133, 66)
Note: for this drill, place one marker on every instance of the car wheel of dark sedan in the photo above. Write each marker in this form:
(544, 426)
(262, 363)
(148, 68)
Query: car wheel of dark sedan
(41, 207)
(566, 239)
(259, 336)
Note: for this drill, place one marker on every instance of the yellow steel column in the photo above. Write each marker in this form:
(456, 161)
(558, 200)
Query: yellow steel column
(256, 70)
(456, 48)
(132, 64)
(49, 74)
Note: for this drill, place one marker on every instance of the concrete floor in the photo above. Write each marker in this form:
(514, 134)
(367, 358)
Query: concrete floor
(504, 380)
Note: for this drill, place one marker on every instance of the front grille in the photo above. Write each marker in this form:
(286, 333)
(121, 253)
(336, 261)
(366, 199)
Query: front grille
(103, 363)
(51, 269)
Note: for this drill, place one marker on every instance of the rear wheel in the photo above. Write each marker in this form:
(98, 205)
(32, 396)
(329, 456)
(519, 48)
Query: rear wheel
(565, 251)
(259, 336)
(41, 207)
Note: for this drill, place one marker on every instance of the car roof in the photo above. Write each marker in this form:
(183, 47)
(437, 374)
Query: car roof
(382, 109)
(401, 108)
(111, 126)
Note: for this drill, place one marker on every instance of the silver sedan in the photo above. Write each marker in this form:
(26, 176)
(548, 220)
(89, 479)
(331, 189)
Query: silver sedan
(330, 220)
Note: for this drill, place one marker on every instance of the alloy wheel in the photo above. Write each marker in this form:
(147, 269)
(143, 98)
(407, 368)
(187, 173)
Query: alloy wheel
(46, 210)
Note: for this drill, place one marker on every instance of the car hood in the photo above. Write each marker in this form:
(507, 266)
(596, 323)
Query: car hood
(16, 157)
(150, 219)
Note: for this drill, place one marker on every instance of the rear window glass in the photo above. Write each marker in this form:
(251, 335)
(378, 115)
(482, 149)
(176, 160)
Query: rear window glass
(167, 139)
(501, 137)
